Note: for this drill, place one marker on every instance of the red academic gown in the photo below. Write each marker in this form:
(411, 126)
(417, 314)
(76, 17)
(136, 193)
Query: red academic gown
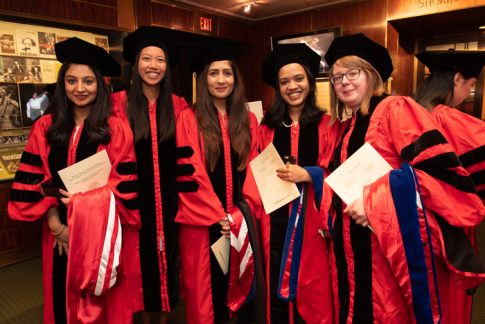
(365, 286)
(466, 135)
(39, 165)
(159, 241)
(205, 198)
(313, 302)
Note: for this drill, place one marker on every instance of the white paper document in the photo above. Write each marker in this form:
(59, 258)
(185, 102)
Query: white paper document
(274, 192)
(363, 168)
(88, 174)
(221, 251)
(256, 107)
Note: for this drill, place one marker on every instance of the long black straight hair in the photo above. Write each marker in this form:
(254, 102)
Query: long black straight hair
(438, 89)
(62, 109)
(278, 110)
(137, 106)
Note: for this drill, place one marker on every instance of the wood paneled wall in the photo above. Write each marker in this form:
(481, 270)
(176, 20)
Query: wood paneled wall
(18, 240)
(408, 8)
(94, 11)
(368, 17)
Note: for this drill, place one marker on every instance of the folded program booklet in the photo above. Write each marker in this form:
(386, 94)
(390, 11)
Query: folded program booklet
(221, 251)
(363, 168)
(274, 191)
(88, 174)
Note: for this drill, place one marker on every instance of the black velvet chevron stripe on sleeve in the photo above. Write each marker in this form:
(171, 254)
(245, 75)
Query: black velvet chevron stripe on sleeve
(184, 152)
(31, 159)
(187, 186)
(26, 196)
(185, 170)
(130, 186)
(424, 142)
(131, 204)
(473, 157)
(29, 178)
(438, 166)
(126, 168)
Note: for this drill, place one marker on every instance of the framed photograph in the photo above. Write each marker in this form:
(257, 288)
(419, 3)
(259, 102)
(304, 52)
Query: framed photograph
(9, 106)
(318, 40)
(46, 44)
(14, 69)
(7, 44)
(27, 42)
(33, 102)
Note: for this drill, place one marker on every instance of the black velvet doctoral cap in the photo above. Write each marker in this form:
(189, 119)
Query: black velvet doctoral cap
(150, 36)
(215, 50)
(466, 62)
(285, 54)
(51, 88)
(360, 46)
(77, 51)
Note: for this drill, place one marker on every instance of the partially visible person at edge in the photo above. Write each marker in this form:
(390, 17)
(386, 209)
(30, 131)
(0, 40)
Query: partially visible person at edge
(300, 132)
(216, 140)
(95, 284)
(453, 75)
(151, 109)
(395, 274)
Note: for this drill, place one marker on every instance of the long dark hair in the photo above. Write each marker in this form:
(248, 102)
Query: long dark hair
(96, 125)
(438, 89)
(278, 110)
(238, 120)
(137, 106)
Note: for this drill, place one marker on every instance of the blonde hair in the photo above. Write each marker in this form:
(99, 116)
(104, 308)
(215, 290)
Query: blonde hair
(375, 86)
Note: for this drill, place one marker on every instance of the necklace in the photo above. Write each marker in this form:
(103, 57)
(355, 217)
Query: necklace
(296, 123)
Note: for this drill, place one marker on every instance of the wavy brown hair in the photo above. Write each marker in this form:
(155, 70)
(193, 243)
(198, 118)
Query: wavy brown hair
(208, 120)
(375, 86)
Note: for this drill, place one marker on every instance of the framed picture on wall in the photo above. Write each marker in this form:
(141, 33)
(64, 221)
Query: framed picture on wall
(318, 40)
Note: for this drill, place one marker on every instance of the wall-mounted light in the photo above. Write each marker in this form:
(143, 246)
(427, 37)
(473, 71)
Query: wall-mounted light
(247, 8)
(481, 27)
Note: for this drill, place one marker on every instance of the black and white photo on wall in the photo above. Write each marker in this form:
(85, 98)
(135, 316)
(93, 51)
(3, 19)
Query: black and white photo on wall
(33, 101)
(318, 40)
(15, 69)
(9, 106)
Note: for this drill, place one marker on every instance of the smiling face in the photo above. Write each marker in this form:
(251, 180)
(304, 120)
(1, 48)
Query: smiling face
(462, 88)
(152, 65)
(294, 85)
(351, 92)
(220, 79)
(81, 86)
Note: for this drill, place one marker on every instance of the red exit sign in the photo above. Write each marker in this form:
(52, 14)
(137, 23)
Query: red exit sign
(205, 24)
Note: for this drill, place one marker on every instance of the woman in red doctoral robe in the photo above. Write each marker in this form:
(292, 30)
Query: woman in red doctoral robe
(150, 108)
(453, 74)
(299, 130)
(216, 140)
(80, 126)
(375, 280)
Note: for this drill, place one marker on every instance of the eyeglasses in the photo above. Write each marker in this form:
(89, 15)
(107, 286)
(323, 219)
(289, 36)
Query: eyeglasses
(351, 75)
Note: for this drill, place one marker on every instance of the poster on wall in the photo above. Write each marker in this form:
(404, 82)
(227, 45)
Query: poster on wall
(48, 71)
(27, 43)
(34, 72)
(102, 42)
(33, 102)
(62, 38)
(14, 69)
(14, 139)
(10, 158)
(7, 44)
(9, 106)
(46, 45)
